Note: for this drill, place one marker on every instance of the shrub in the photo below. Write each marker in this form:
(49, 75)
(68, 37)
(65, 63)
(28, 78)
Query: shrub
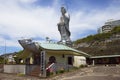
(82, 66)
(60, 71)
(20, 74)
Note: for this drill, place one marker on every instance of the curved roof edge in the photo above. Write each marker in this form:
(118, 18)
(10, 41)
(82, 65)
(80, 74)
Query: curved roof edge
(60, 47)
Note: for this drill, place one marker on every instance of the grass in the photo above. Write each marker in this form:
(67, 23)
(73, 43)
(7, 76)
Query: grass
(20, 74)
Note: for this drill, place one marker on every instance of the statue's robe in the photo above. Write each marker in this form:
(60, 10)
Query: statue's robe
(63, 27)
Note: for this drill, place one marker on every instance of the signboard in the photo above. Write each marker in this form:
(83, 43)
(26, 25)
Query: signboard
(42, 66)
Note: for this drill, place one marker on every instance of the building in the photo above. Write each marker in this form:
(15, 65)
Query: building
(9, 57)
(100, 30)
(108, 26)
(39, 57)
(104, 60)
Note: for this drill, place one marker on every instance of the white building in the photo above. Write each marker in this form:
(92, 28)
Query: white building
(79, 60)
(108, 26)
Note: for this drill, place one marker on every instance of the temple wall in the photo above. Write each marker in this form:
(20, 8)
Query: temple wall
(79, 60)
(59, 58)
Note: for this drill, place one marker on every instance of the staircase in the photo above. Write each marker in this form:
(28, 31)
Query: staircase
(35, 71)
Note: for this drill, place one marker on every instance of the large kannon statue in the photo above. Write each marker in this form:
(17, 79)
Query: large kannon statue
(63, 27)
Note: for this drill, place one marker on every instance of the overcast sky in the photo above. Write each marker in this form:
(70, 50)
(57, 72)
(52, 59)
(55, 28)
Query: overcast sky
(38, 19)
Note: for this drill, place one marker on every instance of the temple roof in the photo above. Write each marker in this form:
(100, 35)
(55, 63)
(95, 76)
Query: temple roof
(49, 48)
(60, 47)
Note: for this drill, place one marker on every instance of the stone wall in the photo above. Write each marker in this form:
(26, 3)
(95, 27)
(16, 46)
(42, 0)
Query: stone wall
(24, 69)
(15, 69)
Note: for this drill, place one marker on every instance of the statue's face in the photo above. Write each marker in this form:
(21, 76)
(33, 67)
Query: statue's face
(63, 10)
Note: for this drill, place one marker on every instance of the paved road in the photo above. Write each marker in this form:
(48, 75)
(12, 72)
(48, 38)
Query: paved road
(94, 76)
(93, 73)
(90, 73)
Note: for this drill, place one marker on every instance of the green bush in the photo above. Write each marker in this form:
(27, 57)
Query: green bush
(82, 66)
(20, 74)
(51, 73)
(1, 60)
(60, 71)
(75, 68)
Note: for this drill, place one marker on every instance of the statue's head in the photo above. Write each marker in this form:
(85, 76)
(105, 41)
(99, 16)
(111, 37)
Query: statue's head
(63, 10)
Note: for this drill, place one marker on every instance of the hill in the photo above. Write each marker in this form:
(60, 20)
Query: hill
(101, 44)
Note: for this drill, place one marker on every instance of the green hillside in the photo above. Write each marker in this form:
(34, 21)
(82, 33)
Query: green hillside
(99, 37)
(101, 44)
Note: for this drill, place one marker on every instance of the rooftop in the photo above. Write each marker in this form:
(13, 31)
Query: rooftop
(106, 56)
(60, 47)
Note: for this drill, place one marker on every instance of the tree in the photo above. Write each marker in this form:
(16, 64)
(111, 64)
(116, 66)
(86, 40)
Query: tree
(1, 60)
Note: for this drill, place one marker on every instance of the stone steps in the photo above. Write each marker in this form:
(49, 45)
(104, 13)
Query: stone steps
(35, 71)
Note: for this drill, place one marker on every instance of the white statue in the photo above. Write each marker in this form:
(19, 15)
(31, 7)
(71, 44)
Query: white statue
(63, 26)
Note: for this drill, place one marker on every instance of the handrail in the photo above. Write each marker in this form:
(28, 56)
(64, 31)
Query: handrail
(50, 66)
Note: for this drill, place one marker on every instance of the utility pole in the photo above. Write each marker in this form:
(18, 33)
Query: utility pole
(4, 51)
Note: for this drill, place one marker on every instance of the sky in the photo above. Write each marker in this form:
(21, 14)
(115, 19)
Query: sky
(37, 19)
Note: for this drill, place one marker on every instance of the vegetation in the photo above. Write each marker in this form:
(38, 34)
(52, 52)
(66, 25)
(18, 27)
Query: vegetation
(92, 38)
(99, 37)
(16, 57)
(61, 71)
(82, 66)
(116, 30)
(1, 60)
(21, 56)
(101, 44)
(20, 74)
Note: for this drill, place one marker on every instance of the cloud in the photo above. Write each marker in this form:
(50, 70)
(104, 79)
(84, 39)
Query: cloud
(27, 1)
(82, 22)
(22, 18)
(16, 21)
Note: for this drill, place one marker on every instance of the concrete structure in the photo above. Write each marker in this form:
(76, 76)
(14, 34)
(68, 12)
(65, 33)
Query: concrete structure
(100, 30)
(104, 60)
(9, 57)
(108, 26)
(56, 57)
(79, 60)
(19, 68)
(15, 69)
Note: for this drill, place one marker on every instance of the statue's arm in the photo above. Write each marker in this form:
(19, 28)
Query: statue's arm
(67, 16)
(66, 19)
